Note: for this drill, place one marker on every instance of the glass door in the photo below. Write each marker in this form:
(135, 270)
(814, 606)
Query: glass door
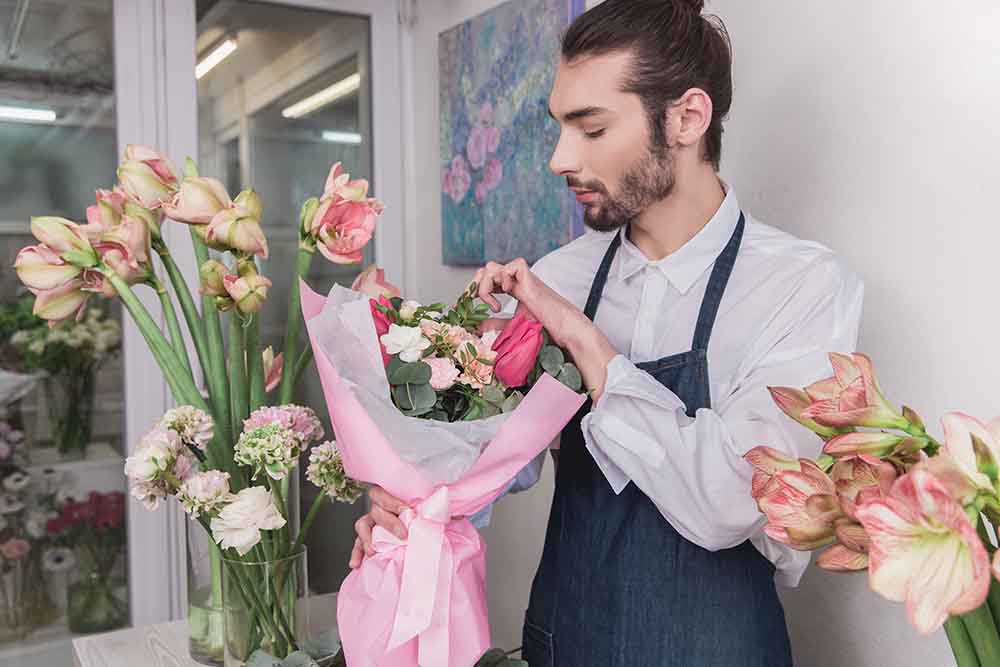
(62, 518)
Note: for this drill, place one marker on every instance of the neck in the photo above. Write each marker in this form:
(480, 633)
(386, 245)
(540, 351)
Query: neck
(668, 224)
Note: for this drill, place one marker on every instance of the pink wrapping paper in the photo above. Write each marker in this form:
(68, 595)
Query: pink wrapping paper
(422, 601)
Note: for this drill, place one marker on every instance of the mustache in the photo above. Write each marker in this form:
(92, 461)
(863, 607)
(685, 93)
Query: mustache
(594, 186)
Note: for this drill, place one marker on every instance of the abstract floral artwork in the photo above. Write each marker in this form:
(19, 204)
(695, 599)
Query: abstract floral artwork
(499, 200)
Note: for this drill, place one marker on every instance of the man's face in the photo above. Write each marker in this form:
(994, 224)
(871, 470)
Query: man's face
(606, 151)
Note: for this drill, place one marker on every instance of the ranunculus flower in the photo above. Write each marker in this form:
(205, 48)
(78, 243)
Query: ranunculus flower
(408, 342)
(924, 551)
(199, 199)
(517, 349)
(444, 373)
(959, 430)
(236, 228)
(851, 397)
(272, 368)
(204, 492)
(797, 497)
(15, 549)
(239, 523)
(372, 282)
(248, 293)
(147, 176)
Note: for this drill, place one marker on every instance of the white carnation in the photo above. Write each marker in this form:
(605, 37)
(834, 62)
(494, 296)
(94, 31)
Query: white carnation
(239, 523)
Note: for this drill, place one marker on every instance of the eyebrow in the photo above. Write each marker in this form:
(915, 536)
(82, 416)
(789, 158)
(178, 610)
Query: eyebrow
(577, 114)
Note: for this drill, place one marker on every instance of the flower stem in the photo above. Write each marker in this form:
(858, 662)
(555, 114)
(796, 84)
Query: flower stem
(307, 524)
(302, 363)
(983, 633)
(173, 326)
(237, 373)
(293, 326)
(255, 365)
(195, 325)
(961, 644)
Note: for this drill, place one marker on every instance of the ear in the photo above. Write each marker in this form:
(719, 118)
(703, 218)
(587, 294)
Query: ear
(689, 118)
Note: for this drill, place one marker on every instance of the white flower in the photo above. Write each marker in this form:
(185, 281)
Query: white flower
(16, 481)
(239, 523)
(148, 493)
(326, 470)
(153, 456)
(65, 496)
(35, 524)
(434, 315)
(272, 448)
(9, 503)
(58, 559)
(193, 426)
(204, 492)
(408, 342)
(408, 309)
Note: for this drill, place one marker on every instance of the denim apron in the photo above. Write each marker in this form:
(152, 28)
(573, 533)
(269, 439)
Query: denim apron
(617, 586)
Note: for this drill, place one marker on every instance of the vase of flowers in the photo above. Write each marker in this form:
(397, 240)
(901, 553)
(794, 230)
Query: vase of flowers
(70, 355)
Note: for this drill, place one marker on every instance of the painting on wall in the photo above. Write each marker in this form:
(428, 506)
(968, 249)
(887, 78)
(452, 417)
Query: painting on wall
(499, 200)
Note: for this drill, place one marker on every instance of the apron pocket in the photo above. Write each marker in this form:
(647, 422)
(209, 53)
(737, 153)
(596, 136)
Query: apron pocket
(538, 646)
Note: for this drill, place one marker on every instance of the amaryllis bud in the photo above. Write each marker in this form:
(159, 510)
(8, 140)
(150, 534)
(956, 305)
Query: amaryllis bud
(150, 218)
(198, 201)
(238, 229)
(272, 368)
(212, 273)
(66, 238)
(147, 176)
(248, 293)
(250, 200)
(40, 268)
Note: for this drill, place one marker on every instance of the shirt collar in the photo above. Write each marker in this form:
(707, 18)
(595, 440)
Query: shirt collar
(686, 264)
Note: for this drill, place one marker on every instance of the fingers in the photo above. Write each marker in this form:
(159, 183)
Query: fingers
(357, 554)
(363, 543)
(493, 324)
(385, 500)
(389, 521)
(488, 276)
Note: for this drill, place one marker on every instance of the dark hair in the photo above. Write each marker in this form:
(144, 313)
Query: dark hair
(675, 48)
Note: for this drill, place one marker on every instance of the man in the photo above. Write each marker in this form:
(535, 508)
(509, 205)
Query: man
(680, 310)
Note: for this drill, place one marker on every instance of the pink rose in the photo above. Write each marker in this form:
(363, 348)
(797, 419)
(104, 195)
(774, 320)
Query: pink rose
(517, 349)
(15, 549)
(444, 373)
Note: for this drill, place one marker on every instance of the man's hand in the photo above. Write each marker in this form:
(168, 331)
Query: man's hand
(385, 512)
(567, 326)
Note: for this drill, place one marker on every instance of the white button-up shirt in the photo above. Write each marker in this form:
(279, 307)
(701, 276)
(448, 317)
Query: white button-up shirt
(787, 304)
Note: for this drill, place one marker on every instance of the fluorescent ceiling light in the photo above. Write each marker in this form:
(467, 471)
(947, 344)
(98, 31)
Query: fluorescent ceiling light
(27, 115)
(342, 137)
(218, 54)
(342, 88)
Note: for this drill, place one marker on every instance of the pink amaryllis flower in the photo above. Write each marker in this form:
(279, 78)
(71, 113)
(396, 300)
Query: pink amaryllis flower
(872, 443)
(924, 551)
(146, 176)
(372, 282)
(272, 368)
(797, 497)
(793, 403)
(963, 435)
(236, 228)
(197, 201)
(344, 222)
(851, 397)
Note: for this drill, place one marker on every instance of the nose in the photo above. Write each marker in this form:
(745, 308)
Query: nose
(564, 160)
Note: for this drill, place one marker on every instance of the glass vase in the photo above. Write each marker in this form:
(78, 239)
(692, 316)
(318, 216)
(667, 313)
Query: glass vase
(24, 605)
(97, 603)
(204, 579)
(266, 609)
(70, 400)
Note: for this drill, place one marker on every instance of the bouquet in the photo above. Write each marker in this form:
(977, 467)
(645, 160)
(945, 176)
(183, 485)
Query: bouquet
(227, 452)
(442, 410)
(885, 496)
(69, 354)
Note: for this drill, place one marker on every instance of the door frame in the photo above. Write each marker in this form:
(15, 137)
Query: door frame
(156, 102)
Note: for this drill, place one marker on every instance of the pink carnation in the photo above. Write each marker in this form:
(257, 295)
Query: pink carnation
(443, 373)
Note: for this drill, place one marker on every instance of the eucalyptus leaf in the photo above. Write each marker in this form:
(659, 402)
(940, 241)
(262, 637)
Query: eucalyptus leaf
(493, 394)
(416, 372)
(552, 359)
(424, 396)
(512, 401)
(492, 658)
(299, 659)
(322, 645)
(402, 396)
(395, 363)
(569, 375)
(261, 658)
(490, 410)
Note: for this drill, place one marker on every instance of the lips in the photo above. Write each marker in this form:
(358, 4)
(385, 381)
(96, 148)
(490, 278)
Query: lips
(586, 196)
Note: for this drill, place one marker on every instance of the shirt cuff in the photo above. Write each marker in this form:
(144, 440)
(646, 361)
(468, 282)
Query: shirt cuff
(608, 436)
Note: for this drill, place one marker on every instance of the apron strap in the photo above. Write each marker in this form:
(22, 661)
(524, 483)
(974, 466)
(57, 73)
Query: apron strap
(716, 287)
(597, 287)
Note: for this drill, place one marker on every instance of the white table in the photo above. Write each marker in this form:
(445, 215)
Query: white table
(166, 644)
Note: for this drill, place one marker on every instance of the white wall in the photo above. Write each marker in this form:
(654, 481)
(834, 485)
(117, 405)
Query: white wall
(870, 129)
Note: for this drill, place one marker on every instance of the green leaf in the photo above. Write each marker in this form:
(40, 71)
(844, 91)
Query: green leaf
(552, 359)
(492, 658)
(299, 659)
(261, 658)
(416, 372)
(512, 401)
(569, 375)
(494, 394)
(322, 645)
(395, 363)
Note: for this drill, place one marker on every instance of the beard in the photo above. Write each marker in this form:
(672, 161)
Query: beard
(649, 180)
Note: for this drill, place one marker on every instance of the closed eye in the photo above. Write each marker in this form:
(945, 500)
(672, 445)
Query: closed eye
(595, 134)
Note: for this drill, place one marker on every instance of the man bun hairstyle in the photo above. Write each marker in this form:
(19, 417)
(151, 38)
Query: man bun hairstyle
(675, 49)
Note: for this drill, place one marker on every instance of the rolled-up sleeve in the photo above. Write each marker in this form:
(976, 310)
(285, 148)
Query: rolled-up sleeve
(693, 468)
